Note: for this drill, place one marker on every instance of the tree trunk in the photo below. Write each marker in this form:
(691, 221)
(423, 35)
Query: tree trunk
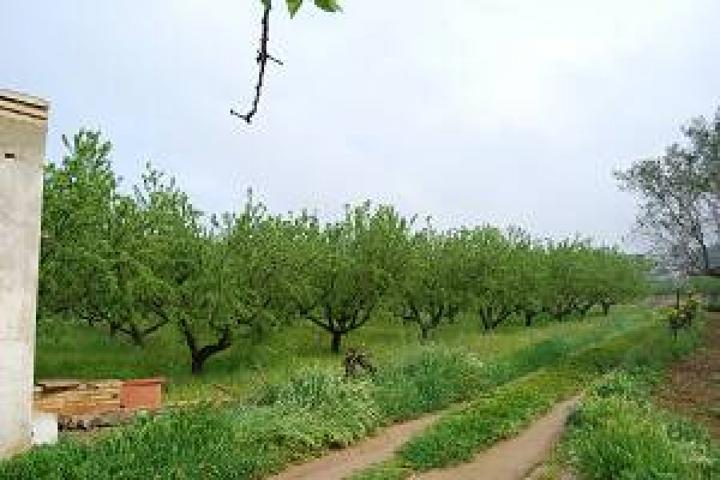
(199, 357)
(336, 342)
(585, 309)
(114, 328)
(424, 333)
(486, 319)
(137, 337)
(705, 257)
(198, 362)
(487, 326)
(606, 308)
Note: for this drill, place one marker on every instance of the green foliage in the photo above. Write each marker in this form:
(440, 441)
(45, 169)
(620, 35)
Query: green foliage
(347, 267)
(434, 286)
(436, 377)
(328, 5)
(90, 268)
(432, 379)
(681, 317)
(618, 433)
(459, 435)
(313, 411)
(293, 6)
(709, 286)
(136, 263)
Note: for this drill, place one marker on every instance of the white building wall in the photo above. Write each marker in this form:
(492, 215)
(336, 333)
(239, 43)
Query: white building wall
(23, 127)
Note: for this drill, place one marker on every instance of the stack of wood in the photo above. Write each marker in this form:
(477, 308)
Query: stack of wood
(72, 397)
(83, 405)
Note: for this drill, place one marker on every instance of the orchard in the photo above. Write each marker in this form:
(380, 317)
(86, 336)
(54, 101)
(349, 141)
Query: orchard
(132, 261)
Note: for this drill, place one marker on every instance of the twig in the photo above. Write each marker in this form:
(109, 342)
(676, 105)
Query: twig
(262, 58)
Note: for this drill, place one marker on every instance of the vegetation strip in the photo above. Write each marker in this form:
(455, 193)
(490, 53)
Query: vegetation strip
(457, 437)
(620, 432)
(290, 422)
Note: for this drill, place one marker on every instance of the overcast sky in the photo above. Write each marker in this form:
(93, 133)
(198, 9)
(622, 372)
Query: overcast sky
(472, 111)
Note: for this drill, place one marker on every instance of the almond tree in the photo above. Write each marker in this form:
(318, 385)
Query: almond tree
(348, 267)
(217, 277)
(492, 275)
(90, 268)
(434, 286)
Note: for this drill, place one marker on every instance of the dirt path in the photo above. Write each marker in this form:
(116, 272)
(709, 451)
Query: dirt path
(342, 463)
(692, 387)
(515, 458)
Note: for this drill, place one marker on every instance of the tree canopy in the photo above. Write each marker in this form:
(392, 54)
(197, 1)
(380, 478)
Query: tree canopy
(679, 194)
(135, 260)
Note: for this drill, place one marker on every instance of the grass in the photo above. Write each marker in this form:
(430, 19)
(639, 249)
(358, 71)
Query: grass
(66, 350)
(458, 436)
(312, 410)
(618, 433)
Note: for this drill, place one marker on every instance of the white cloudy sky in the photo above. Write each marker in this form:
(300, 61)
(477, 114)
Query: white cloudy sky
(502, 111)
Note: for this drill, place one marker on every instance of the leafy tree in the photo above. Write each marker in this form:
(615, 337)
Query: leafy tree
(620, 278)
(492, 274)
(348, 268)
(533, 294)
(218, 278)
(79, 194)
(187, 260)
(679, 196)
(91, 236)
(435, 284)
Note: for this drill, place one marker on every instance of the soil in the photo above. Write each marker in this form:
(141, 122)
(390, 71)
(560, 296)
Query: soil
(512, 459)
(343, 463)
(692, 386)
(515, 458)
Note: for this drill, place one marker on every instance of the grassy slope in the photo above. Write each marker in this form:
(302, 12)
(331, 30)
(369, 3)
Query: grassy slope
(621, 432)
(68, 351)
(458, 436)
(618, 433)
(313, 411)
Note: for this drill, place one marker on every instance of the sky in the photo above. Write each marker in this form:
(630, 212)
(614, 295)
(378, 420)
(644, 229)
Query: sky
(510, 112)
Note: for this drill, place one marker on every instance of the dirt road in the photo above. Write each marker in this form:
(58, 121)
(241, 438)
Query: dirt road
(515, 458)
(342, 463)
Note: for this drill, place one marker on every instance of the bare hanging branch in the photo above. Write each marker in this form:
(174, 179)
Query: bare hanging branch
(262, 59)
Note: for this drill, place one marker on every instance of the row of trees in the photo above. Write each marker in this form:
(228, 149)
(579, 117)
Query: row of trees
(679, 195)
(136, 262)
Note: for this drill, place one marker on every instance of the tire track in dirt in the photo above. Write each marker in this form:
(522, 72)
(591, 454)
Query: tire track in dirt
(342, 463)
(514, 458)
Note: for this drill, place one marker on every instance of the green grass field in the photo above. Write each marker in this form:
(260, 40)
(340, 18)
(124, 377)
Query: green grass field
(294, 404)
(79, 351)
